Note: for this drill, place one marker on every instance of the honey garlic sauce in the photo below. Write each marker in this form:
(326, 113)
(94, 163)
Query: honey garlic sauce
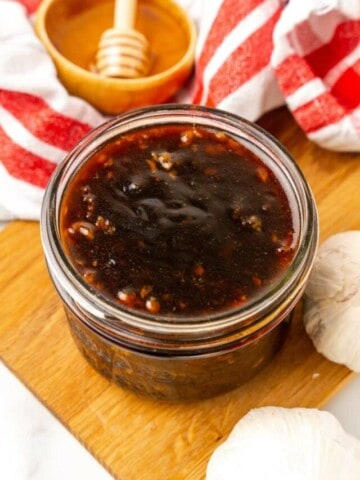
(177, 220)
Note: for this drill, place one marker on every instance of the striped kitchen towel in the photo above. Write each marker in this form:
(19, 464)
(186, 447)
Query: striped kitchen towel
(39, 121)
(316, 59)
(252, 56)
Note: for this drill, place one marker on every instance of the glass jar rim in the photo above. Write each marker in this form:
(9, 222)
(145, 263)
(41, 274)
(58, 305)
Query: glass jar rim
(116, 317)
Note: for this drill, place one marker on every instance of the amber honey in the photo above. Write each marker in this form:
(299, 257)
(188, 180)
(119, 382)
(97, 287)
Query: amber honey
(76, 30)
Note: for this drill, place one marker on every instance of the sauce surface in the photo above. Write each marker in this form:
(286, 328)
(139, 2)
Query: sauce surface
(177, 220)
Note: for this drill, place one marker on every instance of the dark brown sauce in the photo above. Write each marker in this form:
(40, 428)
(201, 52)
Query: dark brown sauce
(177, 220)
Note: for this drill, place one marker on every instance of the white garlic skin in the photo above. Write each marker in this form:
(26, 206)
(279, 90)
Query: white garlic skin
(274, 443)
(332, 300)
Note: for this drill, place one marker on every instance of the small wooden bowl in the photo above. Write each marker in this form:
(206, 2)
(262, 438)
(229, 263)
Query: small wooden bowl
(70, 31)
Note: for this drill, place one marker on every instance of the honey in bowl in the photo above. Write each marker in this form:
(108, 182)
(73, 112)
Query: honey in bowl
(71, 29)
(76, 30)
(180, 240)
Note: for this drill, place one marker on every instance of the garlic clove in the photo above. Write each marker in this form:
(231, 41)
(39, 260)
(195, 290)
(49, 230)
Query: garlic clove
(324, 323)
(275, 443)
(336, 272)
(332, 300)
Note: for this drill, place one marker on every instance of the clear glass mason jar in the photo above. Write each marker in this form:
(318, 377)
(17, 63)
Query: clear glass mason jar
(181, 358)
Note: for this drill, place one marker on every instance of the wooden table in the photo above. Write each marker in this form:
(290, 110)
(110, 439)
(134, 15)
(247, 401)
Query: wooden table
(133, 437)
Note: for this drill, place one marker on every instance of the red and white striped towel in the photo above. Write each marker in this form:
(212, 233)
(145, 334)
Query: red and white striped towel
(255, 55)
(252, 56)
(316, 59)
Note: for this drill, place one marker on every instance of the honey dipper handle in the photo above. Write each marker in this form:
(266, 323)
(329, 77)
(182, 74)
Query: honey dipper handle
(124, 14)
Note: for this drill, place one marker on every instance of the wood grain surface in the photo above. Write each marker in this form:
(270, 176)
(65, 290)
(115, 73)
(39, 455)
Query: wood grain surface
(133, 437)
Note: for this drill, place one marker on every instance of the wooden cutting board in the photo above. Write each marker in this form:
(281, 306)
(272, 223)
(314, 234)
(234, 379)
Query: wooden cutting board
(135, 438)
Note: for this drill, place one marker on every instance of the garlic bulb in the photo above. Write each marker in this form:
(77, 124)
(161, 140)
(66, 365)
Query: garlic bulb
(332, 300)
(275, 443)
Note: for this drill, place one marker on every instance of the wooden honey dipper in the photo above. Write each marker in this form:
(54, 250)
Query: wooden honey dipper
(123, 51)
